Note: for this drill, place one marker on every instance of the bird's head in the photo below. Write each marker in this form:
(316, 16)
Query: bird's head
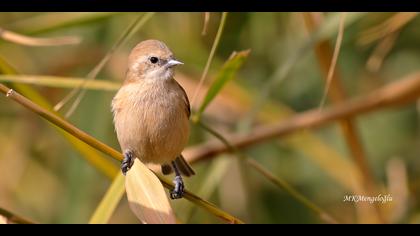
(152, 60)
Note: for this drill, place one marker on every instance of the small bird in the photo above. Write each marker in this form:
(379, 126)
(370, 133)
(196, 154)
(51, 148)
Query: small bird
(151, 113)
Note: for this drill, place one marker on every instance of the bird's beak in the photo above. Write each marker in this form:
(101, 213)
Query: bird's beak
(173, 62)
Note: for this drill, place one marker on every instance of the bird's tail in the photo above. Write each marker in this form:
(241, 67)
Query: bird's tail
(182, 165)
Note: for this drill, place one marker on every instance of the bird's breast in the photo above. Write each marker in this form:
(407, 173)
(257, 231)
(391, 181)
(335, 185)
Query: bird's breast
(150, 120)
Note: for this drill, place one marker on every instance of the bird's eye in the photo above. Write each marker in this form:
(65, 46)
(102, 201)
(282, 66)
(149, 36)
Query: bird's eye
(154, 60)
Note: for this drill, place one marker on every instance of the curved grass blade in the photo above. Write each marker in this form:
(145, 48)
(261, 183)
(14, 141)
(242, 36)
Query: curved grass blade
(210, 58)
(226, 74)
(32, 41)
(47, 22)
(109, 202)
(61, 82)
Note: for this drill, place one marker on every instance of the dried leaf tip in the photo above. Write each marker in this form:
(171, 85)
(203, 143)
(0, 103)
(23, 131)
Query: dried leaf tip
(146, 196)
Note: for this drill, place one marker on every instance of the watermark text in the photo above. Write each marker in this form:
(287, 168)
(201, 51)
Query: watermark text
(371, 199)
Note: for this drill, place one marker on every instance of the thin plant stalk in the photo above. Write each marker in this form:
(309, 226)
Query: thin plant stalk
(330, 75)
(211, 55)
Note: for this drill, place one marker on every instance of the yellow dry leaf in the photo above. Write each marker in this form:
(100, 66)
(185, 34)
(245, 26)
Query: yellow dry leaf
(146, 196)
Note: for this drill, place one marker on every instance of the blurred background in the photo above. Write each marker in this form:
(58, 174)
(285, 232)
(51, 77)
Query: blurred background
(46, 179)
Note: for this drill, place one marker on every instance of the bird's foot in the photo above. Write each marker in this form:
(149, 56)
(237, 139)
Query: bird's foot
(127, 162)
(178, 191)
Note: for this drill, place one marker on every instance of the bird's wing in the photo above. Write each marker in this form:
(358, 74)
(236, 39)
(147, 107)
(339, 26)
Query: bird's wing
(186, 101)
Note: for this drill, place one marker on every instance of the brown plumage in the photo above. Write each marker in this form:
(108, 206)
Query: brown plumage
(151, 110)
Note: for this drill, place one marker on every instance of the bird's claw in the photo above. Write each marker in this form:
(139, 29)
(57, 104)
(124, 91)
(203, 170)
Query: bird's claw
(178, 191)
(127, 162)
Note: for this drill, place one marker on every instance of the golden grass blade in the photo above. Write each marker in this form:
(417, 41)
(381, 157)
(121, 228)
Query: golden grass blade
(32, 41)
(146, 196)
(109, 202)
(61, 82)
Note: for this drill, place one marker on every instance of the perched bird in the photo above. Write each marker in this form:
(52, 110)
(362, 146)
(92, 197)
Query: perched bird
(151, 113)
